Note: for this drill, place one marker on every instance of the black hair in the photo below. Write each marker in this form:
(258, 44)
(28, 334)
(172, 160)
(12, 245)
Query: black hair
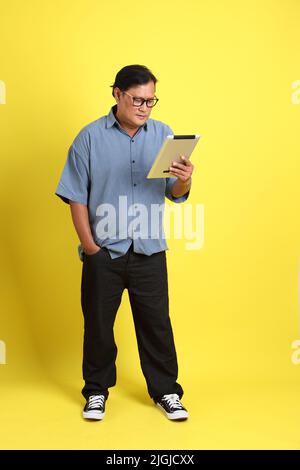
(133, 75)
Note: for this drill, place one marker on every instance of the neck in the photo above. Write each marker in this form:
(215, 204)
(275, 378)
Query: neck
(131, 130)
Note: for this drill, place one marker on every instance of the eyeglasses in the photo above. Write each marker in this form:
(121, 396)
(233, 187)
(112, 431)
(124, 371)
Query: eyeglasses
(140, 101)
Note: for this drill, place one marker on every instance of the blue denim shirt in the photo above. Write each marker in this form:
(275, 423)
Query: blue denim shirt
(104, 163)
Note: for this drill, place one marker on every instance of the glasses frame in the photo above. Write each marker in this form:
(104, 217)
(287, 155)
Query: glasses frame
(144, 101)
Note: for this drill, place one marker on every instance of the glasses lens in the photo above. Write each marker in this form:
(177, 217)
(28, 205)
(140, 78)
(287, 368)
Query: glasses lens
(151, 103)
(138, 101)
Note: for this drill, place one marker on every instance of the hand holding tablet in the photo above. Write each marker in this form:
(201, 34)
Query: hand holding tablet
(173, 147)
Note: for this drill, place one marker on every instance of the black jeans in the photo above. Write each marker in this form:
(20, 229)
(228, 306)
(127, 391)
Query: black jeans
(102, 285)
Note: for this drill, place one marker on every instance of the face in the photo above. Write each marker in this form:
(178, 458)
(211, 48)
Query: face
(134, 116)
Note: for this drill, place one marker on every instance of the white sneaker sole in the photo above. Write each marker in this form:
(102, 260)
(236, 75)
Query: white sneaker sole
(179, 414)
(93, 415)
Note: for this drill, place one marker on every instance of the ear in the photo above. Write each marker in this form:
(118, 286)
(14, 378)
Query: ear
(117, 93)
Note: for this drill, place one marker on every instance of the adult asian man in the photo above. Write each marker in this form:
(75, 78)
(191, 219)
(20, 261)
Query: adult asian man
(105, 172)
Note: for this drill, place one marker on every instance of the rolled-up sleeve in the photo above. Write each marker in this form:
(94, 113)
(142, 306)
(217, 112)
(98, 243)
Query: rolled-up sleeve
(74, 182)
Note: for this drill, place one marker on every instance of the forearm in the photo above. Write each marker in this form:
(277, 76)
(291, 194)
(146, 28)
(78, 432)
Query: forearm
(81, 223)
(180, 188)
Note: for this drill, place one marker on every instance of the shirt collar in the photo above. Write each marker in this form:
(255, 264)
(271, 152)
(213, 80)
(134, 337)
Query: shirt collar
(111, 119)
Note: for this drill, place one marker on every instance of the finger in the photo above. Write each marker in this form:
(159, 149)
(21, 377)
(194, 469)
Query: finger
(179, 165)
(180, 177)
(186, 160)
(180, 172)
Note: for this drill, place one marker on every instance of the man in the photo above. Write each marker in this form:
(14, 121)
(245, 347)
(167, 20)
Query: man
(106, 167)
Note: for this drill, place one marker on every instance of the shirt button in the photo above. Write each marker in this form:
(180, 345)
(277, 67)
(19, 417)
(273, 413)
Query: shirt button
(133, 161)
(132, 140)
(134, 184)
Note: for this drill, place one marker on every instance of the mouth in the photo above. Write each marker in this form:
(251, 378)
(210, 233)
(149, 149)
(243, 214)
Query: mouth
(141, 116)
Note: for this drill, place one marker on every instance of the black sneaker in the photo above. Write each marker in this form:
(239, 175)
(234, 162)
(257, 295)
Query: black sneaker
(171, 405)
(95, 407)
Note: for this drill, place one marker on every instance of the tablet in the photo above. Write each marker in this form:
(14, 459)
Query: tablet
(173, 147)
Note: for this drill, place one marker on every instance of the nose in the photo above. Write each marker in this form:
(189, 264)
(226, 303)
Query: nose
(143, 107)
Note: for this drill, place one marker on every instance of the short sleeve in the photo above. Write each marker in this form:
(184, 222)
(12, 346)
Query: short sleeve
(171, 181)
(74, 182)
(168, 193)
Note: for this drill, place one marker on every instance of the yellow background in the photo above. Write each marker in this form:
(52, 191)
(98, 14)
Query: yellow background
(225, 70)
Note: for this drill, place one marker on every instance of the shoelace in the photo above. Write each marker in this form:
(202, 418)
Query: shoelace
(96, 401)
(172, 400)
